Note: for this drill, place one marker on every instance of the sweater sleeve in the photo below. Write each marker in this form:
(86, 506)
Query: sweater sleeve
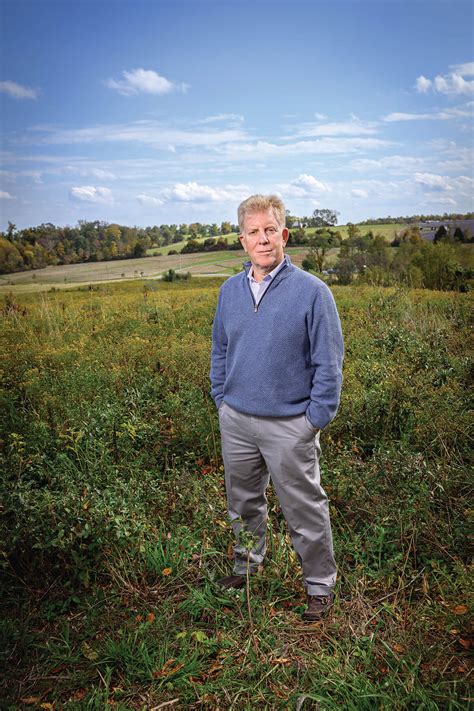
(327, 353)
(218, 356)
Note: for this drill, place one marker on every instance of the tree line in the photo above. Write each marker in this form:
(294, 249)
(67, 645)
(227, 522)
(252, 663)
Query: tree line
(92, 241)
(445, 263)
(413, 219)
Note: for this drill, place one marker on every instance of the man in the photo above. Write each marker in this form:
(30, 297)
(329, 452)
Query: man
(276, 374)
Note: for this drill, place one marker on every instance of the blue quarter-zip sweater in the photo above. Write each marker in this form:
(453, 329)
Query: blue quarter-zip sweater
(283, 357)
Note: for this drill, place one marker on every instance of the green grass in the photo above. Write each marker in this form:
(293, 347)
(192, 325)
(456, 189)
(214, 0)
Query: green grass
(388, 230)
(114, 521)
(179, 245)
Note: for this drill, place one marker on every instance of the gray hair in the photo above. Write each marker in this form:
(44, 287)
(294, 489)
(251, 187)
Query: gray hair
(262, 203)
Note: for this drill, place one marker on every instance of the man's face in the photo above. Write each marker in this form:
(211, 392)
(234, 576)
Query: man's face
(264, 240)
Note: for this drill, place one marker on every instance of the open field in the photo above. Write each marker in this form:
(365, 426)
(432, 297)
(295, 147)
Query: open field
(152, 267)
(388, 230)
(179, 245)
(114, 526)
(64, 276)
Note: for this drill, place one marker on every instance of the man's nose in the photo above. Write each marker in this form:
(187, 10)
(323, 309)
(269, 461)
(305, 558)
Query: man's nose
(263, 237)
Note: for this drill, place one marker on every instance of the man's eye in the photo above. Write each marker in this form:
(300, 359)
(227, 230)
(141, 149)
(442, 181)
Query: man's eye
(272, 230)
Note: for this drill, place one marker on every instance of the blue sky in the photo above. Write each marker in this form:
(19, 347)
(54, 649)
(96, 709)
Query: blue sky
(150, 112)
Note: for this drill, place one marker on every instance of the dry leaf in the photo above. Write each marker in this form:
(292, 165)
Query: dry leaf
(86, 505)
(216, 667)
(466, 643)
(88, 652)
(150, 617)
(460, 609)
(281, 660)
(79, 694)
(167, 571)
(47, 706)
(398, 648)
(167, 669)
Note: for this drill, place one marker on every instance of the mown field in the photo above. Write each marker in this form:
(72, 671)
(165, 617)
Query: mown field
(114, 525)
(157, 261)
(64, 276)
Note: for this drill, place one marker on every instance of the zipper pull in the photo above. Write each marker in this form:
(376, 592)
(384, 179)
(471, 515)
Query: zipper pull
(255, 308)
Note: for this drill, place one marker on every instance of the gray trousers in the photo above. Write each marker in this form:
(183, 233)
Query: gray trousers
(287, 450)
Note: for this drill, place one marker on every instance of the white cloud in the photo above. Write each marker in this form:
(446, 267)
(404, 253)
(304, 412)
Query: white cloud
(320, 117)
(358, 193)
(85, 172)
(355, 127)
(452, 83)
(89, 193)
(399, 116)
(465, 70)
(196, 193)
(324, 146)
(463, 185)
(423, 84)
(17, 91)
(223, 117)
(454, 112)
(148, 132)
(144, 81)
(446, 201)
(5, 196)
(149, 200)
(304, 186)
(396, 163)
(432, 181)
(441, 182)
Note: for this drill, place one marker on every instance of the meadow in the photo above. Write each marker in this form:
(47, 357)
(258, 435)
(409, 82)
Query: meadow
(114, 523)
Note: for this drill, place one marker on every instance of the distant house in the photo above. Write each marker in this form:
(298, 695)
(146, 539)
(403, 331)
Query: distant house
(429, 229)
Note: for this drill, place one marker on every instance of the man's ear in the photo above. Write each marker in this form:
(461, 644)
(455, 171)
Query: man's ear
(242, 241)
(285, 234)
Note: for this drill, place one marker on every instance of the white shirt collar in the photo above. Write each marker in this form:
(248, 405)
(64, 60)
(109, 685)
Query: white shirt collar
(268, 277)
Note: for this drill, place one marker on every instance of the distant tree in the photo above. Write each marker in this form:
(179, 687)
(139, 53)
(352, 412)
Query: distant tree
(459, 235)
(441, 233)
(11, 229)
(10, 258)
(352, 230)
(298, 236)
(325, 218)
(226, 228)
(345, 268)
(319, 245)
(139, 250)
(191, 246)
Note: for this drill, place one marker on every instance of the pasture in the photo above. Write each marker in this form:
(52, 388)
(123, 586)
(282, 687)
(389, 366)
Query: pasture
(114, 522)
(64, 276)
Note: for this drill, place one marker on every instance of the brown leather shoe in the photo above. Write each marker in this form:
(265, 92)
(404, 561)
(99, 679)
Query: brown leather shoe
(318, 607)
(231, 582)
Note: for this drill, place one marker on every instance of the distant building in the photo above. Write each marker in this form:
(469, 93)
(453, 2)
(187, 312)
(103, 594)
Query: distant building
(429, 229)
